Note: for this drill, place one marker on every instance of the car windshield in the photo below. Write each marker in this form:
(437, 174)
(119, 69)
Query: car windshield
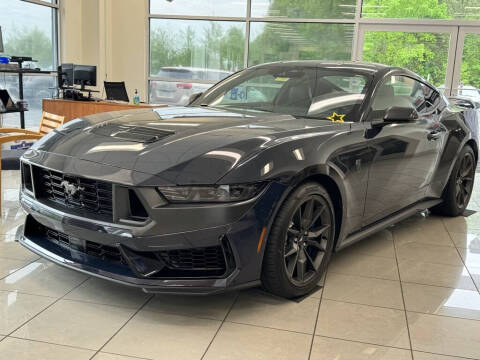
(298, 91)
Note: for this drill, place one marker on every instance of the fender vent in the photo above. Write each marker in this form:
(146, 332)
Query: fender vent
(137, 210)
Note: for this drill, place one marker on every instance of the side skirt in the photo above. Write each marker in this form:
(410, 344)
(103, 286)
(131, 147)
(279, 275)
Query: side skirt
(384, 223)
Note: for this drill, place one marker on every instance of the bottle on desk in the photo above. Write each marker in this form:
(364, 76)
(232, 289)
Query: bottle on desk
(136, 98)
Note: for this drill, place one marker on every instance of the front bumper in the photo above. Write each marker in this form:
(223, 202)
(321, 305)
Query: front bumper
(242, 237)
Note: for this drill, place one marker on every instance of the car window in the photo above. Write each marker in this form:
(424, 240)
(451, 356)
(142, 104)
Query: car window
(403, 91)
(259, 89)
(352, 84)
(327, 93)
(283, 91)
(338, 97)
(216, 75)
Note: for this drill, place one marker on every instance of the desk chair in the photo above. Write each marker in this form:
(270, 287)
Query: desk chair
(49, 122)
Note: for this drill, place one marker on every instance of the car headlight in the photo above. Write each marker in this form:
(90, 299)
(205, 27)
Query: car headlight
(213, 193)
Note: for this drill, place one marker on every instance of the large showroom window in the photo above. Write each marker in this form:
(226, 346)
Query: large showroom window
(30, 29)
(422, 9)
(468, 53)
(199, 7)
(425, 53)
(187, 56)
(325, 9)
(272, 41)
(194, 43)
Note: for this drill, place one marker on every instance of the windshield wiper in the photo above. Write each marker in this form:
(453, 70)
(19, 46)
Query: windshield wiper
(307, 117)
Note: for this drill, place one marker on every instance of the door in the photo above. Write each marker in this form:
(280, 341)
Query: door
(405, 153)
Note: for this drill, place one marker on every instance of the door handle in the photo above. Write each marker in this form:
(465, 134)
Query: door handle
(434, 135)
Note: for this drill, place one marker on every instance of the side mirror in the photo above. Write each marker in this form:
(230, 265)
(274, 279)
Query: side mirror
(194, 97)
(398, 114)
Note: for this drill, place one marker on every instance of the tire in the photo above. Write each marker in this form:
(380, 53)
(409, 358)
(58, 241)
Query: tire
(300, 243)
(459, 187)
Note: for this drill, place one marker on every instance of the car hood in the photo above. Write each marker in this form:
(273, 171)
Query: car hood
(178, 144)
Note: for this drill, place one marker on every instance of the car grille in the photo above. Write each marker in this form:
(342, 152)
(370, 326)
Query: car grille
(185, 263)
(105, 252)
(213, 261)
(91, 198)
(206, 258)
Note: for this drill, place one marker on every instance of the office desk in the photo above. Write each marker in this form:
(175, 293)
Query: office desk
(74, 109)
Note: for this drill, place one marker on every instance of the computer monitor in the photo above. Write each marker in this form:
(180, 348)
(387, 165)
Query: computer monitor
(1, 41)
(65, 75)
(85, 75)
(116, 91)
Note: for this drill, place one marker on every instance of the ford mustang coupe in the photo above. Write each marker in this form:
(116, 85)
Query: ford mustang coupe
(257, 181)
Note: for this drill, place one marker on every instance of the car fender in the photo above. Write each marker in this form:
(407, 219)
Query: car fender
(459, 133)
(311, 173)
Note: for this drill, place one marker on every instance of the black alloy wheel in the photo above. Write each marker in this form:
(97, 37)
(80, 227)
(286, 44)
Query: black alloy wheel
(459, 187)
(307, 239)
(464, 180)
(300, 242)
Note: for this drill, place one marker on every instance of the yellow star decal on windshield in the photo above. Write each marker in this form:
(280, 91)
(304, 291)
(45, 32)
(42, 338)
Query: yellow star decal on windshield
(336, 117)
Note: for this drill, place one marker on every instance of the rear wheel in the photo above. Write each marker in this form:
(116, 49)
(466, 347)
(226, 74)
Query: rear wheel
(300, 243)
(460, 185)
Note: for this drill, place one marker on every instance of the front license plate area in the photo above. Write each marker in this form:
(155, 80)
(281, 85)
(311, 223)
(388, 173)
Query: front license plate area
(77, 244)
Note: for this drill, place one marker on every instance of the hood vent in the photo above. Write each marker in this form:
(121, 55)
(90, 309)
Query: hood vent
(139, 134)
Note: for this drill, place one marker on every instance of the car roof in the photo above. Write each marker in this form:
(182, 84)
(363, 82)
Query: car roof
(351, 65)
(356, 67)
(186, 68)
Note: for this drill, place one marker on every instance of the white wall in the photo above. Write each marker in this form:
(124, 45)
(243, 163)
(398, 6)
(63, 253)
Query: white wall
(111, 34)
(129, 44)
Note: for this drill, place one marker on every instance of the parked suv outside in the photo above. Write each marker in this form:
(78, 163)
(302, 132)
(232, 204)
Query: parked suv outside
(183, 84)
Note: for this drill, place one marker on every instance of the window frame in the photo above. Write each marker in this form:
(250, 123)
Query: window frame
(454, 26)
(55, 38)
(379, 84)
(247, 19)
(55, 30)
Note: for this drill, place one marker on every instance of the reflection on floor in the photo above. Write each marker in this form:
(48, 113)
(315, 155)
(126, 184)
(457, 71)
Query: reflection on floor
(409, 292)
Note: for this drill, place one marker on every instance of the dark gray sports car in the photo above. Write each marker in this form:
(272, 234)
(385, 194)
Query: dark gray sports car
(258, 180)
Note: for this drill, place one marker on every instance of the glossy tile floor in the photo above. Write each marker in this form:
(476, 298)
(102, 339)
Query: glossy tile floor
(409, 292)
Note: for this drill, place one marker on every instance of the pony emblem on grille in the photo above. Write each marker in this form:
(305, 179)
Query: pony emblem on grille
(71, 189)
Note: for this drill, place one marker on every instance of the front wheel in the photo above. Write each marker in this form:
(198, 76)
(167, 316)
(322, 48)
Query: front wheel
(300, 243)
(460, 185)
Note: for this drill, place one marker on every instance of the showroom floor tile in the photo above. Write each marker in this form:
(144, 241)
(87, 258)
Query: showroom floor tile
(363, 323)
(409, 292)
(445, 335)
(363, 290)
(164, 336)
(208, 307)
(239, 342)
(8, 247)
(442, 301)
(20, 349)
(76, 323)
(254, 307)
(18, 308)
(334, 349)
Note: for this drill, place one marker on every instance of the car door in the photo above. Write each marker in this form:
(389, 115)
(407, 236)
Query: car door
(405, 153)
